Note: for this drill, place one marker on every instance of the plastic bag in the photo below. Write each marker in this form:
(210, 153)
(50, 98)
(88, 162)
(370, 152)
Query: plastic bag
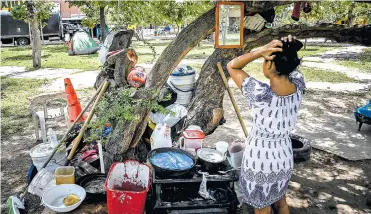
(161, 136)
(203, 188)
(177, 112)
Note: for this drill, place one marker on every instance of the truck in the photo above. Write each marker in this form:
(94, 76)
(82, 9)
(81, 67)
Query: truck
(17, 32)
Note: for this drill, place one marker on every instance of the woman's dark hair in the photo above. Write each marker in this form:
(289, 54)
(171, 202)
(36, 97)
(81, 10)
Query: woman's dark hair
(287, 60)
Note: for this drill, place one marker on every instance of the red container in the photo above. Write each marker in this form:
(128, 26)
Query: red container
(193, 139)
(127, 185)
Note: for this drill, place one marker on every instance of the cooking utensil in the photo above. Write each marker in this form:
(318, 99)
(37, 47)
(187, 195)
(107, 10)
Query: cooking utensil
(169, 172)
(53, 197)
(210, 159)
(96, 196)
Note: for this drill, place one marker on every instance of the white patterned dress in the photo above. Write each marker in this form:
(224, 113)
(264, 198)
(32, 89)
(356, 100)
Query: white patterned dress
(268, 159)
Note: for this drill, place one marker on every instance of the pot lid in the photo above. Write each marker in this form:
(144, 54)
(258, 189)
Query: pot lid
(193, 134)
(41, 150)
(210, 155)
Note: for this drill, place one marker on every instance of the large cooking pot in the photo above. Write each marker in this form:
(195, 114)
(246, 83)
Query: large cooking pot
(211, 160)
(162, 172)
(93, 195)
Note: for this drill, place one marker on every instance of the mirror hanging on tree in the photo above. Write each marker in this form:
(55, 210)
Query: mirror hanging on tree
(229, 25)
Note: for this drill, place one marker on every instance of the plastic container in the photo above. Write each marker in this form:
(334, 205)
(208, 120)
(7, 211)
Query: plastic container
(42, 181)
(40, 154)
(222, 146)
(127, 186)
(65, 175)
(193, 139)
(236, 151)
(52, 138)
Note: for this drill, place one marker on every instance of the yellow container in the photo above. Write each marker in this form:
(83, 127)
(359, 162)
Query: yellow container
(65, 175)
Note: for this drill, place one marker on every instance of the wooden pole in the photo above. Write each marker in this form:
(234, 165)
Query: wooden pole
(232, 99)
(85, 126)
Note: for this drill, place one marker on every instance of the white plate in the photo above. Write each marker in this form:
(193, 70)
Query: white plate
(53, 197)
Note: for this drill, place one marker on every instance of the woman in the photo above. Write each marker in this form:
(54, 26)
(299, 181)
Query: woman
(268, 159)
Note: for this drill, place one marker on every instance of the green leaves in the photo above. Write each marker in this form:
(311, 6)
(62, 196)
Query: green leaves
(120, 105)
(43, 11)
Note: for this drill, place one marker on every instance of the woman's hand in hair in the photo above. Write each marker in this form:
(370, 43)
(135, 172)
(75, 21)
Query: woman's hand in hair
(272, 47)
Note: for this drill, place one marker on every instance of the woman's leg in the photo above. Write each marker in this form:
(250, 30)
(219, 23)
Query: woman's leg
(265, 210)
(281, 206)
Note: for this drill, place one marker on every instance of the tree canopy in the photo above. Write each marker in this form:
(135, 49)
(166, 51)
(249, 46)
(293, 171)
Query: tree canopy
(43, 11)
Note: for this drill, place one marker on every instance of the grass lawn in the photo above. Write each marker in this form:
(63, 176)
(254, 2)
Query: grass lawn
(310, 74)
(15, 112)
(53, 56)
(313, 51)
(363, 63)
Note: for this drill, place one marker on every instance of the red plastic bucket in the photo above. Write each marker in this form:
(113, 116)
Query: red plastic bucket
(127, 185)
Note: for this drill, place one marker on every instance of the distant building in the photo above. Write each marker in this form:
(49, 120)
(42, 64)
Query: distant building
(60, 5)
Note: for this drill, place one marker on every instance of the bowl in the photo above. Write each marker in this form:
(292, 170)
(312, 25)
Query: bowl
(53, 197)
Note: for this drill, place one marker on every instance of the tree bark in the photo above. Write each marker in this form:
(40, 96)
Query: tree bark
(36, 40)
(102, 23)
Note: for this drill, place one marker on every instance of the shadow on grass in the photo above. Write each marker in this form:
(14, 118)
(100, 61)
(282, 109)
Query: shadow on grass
(23, 57)
(56, 48)
(17, 48)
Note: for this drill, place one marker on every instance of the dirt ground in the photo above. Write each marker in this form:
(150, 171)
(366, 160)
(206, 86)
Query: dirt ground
(324, 185)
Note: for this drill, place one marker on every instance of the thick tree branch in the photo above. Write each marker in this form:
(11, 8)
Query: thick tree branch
(359, 34)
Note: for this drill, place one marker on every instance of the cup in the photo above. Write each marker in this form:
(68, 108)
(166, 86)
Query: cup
(236, 151)
(65, 175)
(222, 146)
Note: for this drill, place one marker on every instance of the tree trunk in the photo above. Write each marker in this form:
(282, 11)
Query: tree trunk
(127, 134)
(36, 41)
(42, 33)
(350, 14)
(102, 24)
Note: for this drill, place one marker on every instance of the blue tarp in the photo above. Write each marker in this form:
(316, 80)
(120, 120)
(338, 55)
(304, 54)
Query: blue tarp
(365, 110)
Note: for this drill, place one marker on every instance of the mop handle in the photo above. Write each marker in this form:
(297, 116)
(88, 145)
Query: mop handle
(232, 98)
(86, 123)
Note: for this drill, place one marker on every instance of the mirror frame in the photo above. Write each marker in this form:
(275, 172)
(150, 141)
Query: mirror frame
(218, 4)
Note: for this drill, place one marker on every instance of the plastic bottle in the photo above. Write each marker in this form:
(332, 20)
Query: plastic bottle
(52, 137)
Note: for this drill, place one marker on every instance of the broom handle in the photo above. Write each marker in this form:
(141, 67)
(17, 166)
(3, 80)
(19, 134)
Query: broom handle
(65, 135)
(71, 127)
(86, 123)
(225, 81)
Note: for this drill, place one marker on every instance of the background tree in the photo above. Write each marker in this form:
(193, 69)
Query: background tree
(35, 12)
(89, 8)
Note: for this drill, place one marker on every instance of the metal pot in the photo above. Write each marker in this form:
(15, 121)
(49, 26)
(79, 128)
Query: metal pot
(93, 197)
(211, 160)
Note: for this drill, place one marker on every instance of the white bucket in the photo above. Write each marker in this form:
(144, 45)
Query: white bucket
(40, 154)
(182, 80)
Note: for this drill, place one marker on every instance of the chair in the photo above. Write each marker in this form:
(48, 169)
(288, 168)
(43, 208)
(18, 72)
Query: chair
(46, 114)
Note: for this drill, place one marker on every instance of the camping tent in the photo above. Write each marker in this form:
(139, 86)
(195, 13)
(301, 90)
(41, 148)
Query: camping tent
(81, 44)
